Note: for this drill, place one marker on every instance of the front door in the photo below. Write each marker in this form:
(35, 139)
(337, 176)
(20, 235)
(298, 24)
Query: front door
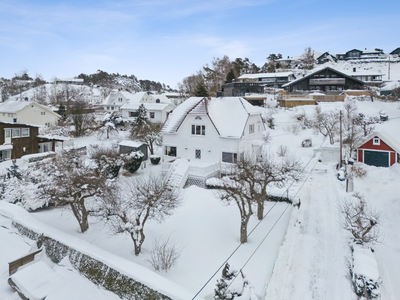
(7, 136)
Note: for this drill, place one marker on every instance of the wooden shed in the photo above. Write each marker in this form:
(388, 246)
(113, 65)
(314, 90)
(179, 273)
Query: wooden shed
(129, 146)
(379, 149)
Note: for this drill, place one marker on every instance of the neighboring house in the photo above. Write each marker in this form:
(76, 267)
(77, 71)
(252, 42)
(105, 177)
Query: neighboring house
(325, 57)
(240, 89)
(379, 149)
(17, 140)
(27, 112)
(158, 107)
(268, 79)
(355, 54)
(369, 78)
(209, 133)
(116, 99)
(396, 51)
(326, 79)
(69, 80)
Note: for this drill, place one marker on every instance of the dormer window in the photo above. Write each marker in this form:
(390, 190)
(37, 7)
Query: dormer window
(197, 118)
(376, 141)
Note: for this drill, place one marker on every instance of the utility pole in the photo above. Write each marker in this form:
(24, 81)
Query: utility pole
(389, 69)
(341, 142)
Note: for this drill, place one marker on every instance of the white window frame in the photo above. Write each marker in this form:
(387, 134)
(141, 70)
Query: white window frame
(232, 155)
(16, 133)
(199, 130)
(42, 113)
(27, 132)
(168, 149)
(152, 114)
(251, 129)
(376, 141)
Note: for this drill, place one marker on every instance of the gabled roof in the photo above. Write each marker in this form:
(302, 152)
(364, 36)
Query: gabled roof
(229, 114)
(14, 106)
(148, 106)
(397, 50)
(384, 136)
(311, 74)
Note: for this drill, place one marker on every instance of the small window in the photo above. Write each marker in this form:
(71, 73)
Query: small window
(151, 115)
(251, 128)
(16, 133)
(229, 157)
(7, 154)
(25, 132)
(198, 129)
(170, 151)
(376, 141)
(197, 154)
(133, 114)
(43, 113)
(15, 120)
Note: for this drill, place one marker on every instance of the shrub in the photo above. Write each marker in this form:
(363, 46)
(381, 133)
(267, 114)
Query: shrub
(282, 150)
(358, 171)
(163, 255)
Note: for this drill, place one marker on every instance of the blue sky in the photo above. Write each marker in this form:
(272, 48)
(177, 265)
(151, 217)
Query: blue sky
(168, 40)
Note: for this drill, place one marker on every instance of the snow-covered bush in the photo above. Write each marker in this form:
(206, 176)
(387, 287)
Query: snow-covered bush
(365, 273)
(132, 161)
(108, 160)
(233, 285)
(155, 159)
(360, 220)
(358, 171)
(163, 255)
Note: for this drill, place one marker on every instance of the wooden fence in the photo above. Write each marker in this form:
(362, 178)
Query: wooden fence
(14, 265)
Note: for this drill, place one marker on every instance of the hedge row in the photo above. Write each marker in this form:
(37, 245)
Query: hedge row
(96, 271)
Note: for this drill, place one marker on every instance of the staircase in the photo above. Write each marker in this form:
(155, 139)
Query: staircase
(177, 174)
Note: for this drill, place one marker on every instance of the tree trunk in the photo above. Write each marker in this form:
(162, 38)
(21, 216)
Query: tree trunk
(260, 209)
(137, 243)
(81, 214)
(243, 229)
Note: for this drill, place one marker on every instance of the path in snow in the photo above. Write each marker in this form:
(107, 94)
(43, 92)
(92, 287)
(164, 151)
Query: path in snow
(313, 262)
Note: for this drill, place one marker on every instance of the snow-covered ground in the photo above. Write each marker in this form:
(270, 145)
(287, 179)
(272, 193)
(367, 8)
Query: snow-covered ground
(313, 261)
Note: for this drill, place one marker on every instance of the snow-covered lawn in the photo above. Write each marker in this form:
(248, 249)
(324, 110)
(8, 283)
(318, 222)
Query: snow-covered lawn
(313, 261)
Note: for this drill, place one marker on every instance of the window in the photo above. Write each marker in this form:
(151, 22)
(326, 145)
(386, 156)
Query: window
(120, 99)
(7, 154)
(108, 108)
(170, 151)
(133, 114)
(229, 157)
(43, 113)
(16, 133)
(197, 154)
(15, 120)
(199, 129)
(151, 115)
(25, 132)
(376, 141)
(251, 128)
(112, 107)
(45, 147)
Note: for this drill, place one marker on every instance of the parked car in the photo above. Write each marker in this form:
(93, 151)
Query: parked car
(383, 115)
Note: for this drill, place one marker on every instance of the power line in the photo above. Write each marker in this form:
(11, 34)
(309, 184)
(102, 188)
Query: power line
(273, 206)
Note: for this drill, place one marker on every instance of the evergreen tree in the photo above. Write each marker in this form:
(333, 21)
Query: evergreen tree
(62, 112)
(141, 117)
(230, 76)
(14, 171)
(201, 90)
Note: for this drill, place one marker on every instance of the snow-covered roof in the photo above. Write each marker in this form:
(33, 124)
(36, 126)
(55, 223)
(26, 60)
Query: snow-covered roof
(384, 136)
(317, 71)
(265, 75)
(13, 106)
(6, 147)
(148, 106)
(55, 137)
(229, 114)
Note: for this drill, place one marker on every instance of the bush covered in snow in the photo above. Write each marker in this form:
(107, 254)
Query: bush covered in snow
(365, 274)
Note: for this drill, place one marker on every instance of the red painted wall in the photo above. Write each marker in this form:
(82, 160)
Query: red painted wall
(392, 158)
(360, 156)
(369, 145)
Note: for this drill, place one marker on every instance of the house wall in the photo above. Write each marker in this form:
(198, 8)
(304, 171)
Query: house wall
(211, 144)
(22, 145)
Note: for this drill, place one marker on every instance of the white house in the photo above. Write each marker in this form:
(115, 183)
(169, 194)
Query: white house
(27, 112)
(209, 133)
(116, 99)
(157, 107)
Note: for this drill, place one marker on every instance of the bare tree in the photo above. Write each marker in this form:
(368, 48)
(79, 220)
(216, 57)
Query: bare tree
(308, 58)
(326, 123)
(163, 255)
(72, 181)
(360, 220)
(149, 133)
(128, 208)
(248, 182)
(81, 117)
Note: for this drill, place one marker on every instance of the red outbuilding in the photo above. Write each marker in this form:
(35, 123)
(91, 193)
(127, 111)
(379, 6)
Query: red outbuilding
(379, 149)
